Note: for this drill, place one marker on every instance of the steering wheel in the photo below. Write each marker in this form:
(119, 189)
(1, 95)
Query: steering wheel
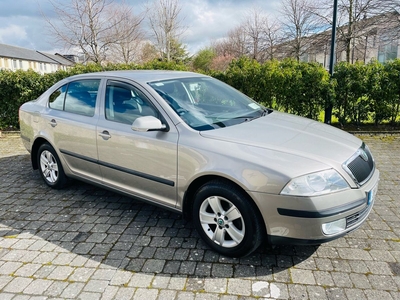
(171, 102)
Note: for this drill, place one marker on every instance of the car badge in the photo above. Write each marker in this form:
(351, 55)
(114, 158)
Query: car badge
(363, 155)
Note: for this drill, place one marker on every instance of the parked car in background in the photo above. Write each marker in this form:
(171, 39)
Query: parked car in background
(190, 143)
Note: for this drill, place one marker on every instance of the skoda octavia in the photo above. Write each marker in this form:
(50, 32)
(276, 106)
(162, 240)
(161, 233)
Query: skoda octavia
(190, 143)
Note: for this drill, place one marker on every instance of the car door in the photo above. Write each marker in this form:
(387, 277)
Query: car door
(71, 122)
(139, 163)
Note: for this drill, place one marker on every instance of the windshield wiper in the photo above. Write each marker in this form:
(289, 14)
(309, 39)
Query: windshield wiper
(266, 111)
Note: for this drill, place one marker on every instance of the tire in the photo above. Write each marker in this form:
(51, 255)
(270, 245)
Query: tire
(227, 219)
(50, 167)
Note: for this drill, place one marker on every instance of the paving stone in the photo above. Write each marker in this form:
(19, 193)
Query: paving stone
(81, 274)
(121, 278)
(125, 293)
(195, 284)
(141, 280)
(61, 273)
(281, 275)
(341, 279)
(87, 243)
(360, 281)
(104, 274)
(17, 285)
(56, 288)
(297, 291)
(355, 294)
(177, 283)
(167, 295)
(4, 280)
(89, 296)
(160, 281)
(97, 286)
(239, 287)
(37, 287)
(260, 289)
(382, 282)
(302, 276)
(9, 267)
(376, 294)
(185, 296)
(317, 293)
(205, 296)
(148, 294)
(222, 270)
(109, 293)
(355, 254)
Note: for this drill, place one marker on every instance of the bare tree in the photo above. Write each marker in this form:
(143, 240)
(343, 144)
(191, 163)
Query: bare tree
(127, 32)
(257, 36)
(89, 26)
(166, 24)
(298, 23)
(232, 46)
(273, 36)
(253, 27)
(237, 42)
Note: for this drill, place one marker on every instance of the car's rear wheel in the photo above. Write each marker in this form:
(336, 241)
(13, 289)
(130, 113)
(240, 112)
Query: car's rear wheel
(50, 167)
(227, 219)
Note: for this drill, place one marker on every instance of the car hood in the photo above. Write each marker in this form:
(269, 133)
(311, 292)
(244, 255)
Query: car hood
(292, 135)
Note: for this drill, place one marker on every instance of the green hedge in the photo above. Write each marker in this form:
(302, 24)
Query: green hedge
(20, 86)
(361, 93)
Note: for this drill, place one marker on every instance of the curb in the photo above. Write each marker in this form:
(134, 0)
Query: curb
(9, 133)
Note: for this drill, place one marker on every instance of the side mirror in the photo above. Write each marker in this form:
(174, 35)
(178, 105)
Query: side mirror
(148, 123)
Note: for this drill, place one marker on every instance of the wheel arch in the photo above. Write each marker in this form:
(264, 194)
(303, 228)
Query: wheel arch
(34, 151)
(187, 204)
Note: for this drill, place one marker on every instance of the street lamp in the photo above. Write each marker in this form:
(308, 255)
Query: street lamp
(332, 60)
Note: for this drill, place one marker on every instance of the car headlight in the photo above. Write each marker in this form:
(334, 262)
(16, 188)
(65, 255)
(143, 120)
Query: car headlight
(315, 184)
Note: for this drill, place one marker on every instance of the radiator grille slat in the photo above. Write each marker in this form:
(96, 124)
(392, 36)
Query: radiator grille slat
(361, 165)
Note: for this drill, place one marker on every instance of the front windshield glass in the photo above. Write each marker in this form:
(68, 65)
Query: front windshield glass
(205, 103)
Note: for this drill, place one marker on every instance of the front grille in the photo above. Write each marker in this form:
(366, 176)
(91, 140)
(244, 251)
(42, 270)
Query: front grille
(357, 217)
(361, 165)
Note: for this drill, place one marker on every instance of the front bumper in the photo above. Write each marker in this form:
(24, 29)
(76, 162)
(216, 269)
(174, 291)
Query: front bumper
(299, 220)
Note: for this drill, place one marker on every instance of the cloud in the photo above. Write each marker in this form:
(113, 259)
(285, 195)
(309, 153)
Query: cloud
(12, 32)
(210, 20)
(22, 22)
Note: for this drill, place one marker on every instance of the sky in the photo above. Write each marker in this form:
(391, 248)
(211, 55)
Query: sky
(22, 22)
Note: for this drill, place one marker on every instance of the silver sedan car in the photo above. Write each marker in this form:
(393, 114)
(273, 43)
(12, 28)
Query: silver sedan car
(190, 143)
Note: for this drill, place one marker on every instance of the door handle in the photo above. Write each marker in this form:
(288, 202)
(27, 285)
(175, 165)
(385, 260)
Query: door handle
(105, 135)
(53, 123)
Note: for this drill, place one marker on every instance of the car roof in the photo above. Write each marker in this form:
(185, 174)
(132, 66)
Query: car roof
(142, 76)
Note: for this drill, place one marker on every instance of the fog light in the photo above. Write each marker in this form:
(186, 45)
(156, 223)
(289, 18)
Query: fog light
(334, 227)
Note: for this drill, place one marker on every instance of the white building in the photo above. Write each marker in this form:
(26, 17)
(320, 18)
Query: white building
(16, 58)
(376, 38)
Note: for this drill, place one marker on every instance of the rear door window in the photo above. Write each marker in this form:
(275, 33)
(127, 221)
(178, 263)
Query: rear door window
(77, 97)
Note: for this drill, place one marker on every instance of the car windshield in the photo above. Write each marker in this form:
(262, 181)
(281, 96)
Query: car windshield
(205, 103)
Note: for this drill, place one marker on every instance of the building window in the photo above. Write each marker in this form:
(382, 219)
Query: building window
(15, 66)
(387, 49)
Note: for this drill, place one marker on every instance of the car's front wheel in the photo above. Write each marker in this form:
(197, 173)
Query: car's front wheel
(226, 219)
(50, 167)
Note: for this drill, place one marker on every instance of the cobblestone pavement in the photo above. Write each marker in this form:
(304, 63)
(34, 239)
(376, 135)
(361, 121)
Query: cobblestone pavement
(87, 243)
